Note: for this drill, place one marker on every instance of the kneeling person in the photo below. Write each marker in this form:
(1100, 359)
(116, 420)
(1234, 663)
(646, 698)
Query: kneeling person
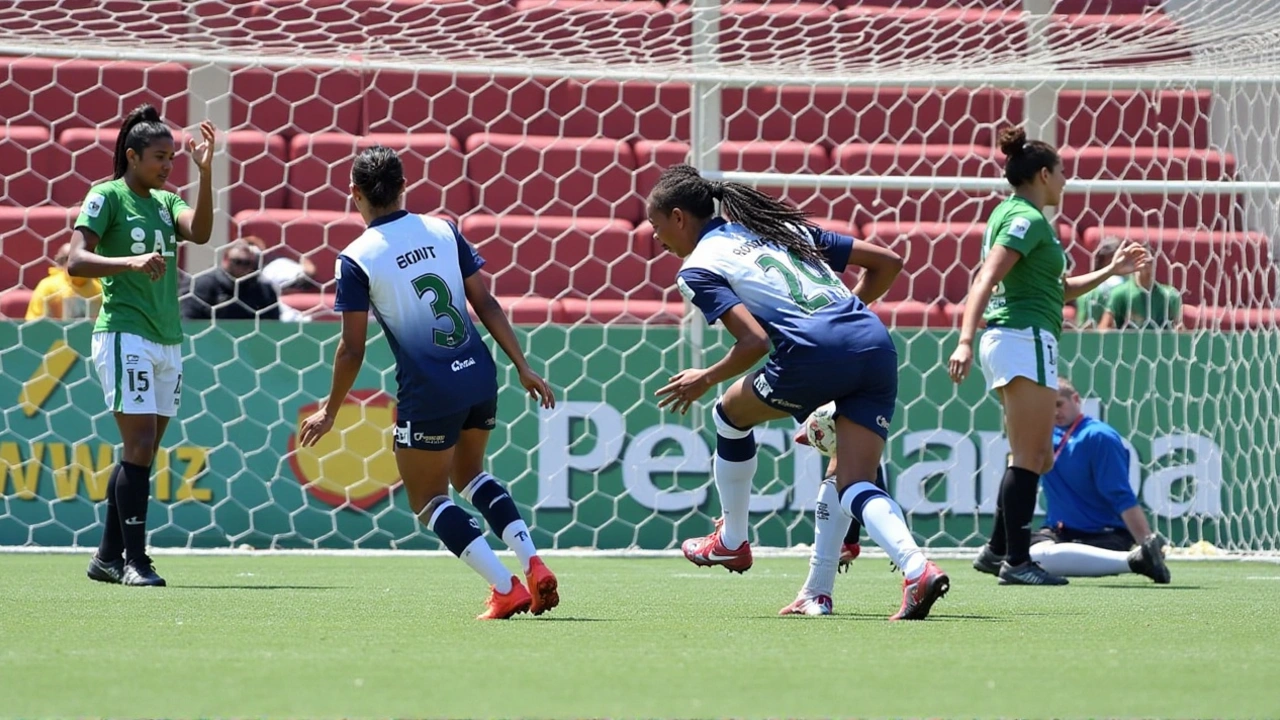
(1093, 516)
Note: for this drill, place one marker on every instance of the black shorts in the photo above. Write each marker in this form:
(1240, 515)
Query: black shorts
(442, 433)
(1114, 539)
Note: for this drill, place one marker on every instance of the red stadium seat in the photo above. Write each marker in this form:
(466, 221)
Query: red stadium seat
(29, 238)
(461, 105)
(317, 234)
(625, 111)
(1146, 163)
(553, 176)
(14, 303)
(763, 34)
(1218, 319)
(257, 170)
(639, 31)
(942, 205)
(1154, 38)
(161, 22)
(320, 171)
(662, 266)
(89, 93)
(29, 164)
(1226, 269)
(302, 100)
(939, 259)
(915, 36)
(559, 257)
(780, 157)
(911, 314)
(1105, 7)
(91, 151)
(1165, 119)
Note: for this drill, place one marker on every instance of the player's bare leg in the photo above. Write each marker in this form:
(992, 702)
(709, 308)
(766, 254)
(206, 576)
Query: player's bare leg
(1028, 408)
(494, 502)
(122, 555)
(737, 411)
(426, 480)
(858, 453)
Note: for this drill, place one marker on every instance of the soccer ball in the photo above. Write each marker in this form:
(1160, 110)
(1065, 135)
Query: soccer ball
(820, 429)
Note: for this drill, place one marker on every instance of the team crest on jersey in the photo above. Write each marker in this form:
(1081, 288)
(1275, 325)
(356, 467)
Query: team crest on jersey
(165, 217)
(1019, 227)
(93, 205)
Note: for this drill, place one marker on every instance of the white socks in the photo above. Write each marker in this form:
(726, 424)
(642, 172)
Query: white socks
(516, 536)
(884, 522)
(1079, 560)
(480, 557)
(829, 528)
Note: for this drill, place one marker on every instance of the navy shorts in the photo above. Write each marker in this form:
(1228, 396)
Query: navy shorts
(1113, 539)
(442, 433)
(864, 386)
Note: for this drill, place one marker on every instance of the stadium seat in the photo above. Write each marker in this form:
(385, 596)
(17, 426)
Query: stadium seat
(864, 206)
(1107, 162)
(29, 163)
(14, 303)
(64, 94)
(624, 311)
(1205, 317)
(662, 266)
(559, 257)
(1226, 269)
(317, 234)
(258, 162)
(553, 176)
(613, 31)
(320, 171)
(625, 110)
(158, 21)
(760, 34)
(300, 100)
(912, 314)
(461, 105)
(781, 157)
(29, 237)
(1165, 119)
(915, 36)
(939, 259)
(91, 151)
(1154, 38)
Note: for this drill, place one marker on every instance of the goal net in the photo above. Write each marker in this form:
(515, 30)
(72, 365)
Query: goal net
(539, 126)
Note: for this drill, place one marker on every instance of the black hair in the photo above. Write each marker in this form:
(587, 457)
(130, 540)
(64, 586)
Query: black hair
(1025, 158)
(379, 174)
(1105, 252)
(681, 186)
(141, 127)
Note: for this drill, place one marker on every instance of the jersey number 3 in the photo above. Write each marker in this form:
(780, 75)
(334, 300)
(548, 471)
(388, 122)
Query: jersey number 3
(442, 306)
(791, 276)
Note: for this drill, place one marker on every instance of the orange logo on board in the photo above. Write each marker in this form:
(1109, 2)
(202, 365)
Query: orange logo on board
(354, 464)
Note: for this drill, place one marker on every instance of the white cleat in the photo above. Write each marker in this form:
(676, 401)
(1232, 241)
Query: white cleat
(808, 605)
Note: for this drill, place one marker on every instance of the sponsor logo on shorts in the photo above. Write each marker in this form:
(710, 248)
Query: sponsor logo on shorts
(132, 359)
(882, 422)
(762, 386)
(402, 434)
(460, 364)
(490, 422)
(137, 398)
(783, 403)
(426, 439)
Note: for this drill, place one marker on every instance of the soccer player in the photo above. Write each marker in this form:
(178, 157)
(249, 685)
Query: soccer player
(127, 234)
(1093, 515)
(418, 275)
(1020, 291)
(771, 277)
(1092, 305)
(1143, 303)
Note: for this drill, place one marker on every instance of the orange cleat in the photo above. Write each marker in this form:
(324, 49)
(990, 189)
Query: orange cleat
(501, 607)
(542, 583)
(919, 595)
(710, 550)
(848, 553)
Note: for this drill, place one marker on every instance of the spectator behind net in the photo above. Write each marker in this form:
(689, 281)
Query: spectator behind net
(234, 291)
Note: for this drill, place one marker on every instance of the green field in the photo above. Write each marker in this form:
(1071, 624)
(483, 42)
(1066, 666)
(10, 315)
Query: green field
(364, 637)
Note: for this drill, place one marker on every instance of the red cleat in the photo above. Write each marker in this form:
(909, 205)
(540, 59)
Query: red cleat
(501, 607)
(542, 584)
(710, 550)
(919, 595)
(848, 553)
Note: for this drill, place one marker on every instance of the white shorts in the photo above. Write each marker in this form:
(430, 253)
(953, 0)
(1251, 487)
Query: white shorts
(1007, 353)
(138, 377)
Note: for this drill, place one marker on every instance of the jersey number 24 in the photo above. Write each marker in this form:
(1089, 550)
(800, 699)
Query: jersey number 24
(795, 287)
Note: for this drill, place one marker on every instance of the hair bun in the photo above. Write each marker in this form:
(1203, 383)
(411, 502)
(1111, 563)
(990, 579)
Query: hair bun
(717, 190)
(1012, 140)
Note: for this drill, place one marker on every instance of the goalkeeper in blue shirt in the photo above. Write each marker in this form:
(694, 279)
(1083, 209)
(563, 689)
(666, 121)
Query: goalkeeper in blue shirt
(1093, 520)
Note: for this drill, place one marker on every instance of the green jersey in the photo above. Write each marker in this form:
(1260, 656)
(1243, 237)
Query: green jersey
(1135, 306)
(129, 224)
(1032, 293)
(1095, 303)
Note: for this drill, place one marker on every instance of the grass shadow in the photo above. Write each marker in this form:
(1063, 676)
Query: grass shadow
(260, 587)
(1152, 586)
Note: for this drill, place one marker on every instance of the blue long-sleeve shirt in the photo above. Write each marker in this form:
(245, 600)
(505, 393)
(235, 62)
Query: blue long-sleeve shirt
(1088, 487)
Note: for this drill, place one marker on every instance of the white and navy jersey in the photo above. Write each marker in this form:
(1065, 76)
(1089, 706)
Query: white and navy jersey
(799, 305)
(409, 270)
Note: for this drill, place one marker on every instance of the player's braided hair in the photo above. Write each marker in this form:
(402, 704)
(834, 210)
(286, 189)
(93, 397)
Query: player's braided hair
(379, 174)
(141, 127)
(681, 186)
(1025, 158)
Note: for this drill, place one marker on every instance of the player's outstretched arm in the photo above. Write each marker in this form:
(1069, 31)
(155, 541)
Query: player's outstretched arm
(752, 345)
(196, 224)
(880, 267)
(998, 263)
(346, 366)
(1128, 259)
(82, 261)
(495, 321)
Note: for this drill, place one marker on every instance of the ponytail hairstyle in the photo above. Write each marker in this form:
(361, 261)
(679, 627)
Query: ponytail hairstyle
(141, 127)
(681, 186)
(379, 174)
(1025, 158)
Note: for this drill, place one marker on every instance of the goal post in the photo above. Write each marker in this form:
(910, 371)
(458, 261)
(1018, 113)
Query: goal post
(539, 127)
